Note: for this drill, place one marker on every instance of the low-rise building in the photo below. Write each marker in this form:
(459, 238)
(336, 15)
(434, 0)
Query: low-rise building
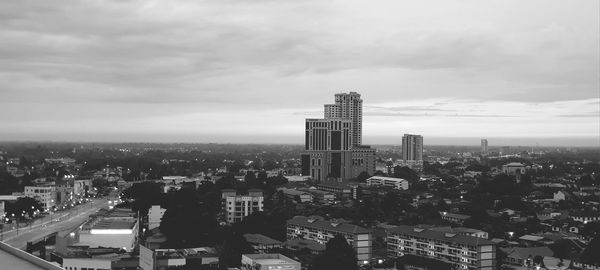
(268, 262)
(454, 218)
(187, 258)
(321, 231)
(261, 243)
(463, 252)
(155, 214)
(294, 194)
(513, 168)
(396, 183)
(45, 194)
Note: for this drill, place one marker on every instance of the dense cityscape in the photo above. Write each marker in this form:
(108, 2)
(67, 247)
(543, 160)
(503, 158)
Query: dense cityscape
(332, 203)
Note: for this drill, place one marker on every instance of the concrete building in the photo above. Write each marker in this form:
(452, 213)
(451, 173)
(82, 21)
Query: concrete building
(412, 147)
(187, 258)
(155, 214)
(321, 231)
(293, 194)
(45, 194)
(333, 147)
(458, 219)
(268, 262)
(513, 168)
(237, 206)
(320, 196)
(110, 229)
(463, 252)
(261, 243)
(348, 106)
(14, 258)
(391, 182)
(484, 146)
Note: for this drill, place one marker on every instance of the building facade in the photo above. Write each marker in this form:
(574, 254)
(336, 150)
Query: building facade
(412, 147)
(270, 261)
(463, 252)
(321, 231)
(391, 182)
(237, 206)
(484, 146)
(333, 147)
(45, 194)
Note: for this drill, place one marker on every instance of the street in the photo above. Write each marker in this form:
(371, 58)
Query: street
(51, 223)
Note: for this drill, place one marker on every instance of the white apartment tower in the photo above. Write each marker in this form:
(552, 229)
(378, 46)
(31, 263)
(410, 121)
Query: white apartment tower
(412, 147)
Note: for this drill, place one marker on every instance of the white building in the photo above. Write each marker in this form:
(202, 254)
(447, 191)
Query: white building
(513, 168)
(238, 206)
(268, 262)
(396, 183)
(46, 195)
(155, 214)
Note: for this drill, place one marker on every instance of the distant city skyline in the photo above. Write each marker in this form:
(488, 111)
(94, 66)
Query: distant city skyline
(514, 72)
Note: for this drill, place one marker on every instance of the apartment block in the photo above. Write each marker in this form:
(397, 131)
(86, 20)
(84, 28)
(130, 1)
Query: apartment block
(321, 231)
(463, 252)
(238, 206)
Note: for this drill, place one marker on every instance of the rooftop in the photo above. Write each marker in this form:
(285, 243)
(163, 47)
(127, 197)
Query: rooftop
(267, 259)
(328, 225)
(442, 236)
(13, 258)
(256, 238)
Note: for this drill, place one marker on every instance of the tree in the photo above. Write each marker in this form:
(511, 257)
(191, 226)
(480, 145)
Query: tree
(24, 206)
(144, 195)
(590, 254)
(338, 255)
(362, 177)
(233, 248)
(405, 173)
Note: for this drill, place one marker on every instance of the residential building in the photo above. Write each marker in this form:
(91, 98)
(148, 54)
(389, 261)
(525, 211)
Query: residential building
(238, 206)
(321, 231)
(395, 183)
(261, 243)
(523, 256)
(412, 147)
(454, 218)
(484, 146)
(268, 262)
(155, 214)
(348, 106)
(320, 196)
(463, 252)
(45, 194)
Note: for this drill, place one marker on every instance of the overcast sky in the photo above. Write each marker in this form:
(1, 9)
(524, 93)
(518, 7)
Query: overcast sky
(521, 72)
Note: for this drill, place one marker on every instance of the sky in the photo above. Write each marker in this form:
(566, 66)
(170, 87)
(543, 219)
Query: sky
(516, 72)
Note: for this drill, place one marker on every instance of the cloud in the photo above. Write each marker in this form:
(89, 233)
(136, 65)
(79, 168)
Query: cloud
(259, 56)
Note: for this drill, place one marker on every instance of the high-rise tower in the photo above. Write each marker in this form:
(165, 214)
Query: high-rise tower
(484, 146)
(412, 147)
(333, 147)
(348, 106)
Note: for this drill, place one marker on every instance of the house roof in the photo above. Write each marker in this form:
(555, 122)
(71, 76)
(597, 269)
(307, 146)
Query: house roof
(524, 253)
(328, 225)
(255, 238)
(442, 236)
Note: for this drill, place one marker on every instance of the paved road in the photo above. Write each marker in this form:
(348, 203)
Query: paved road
(52, 223)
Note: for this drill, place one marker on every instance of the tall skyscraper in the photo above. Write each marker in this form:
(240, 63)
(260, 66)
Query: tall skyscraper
(332, 144)
(348, 106)
(484, 146)
(412, 147)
